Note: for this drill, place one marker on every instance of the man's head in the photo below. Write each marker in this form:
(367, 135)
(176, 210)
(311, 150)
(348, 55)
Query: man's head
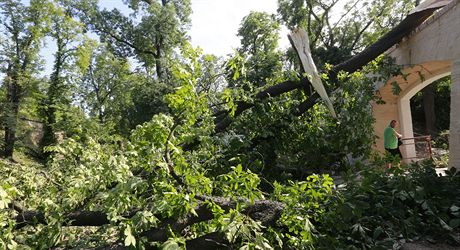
(393, 123)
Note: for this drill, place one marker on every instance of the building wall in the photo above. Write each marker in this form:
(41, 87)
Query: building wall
(427, 55)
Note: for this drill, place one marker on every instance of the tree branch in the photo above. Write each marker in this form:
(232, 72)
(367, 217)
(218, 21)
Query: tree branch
(265, 211)
(353, 64)
(271, 91)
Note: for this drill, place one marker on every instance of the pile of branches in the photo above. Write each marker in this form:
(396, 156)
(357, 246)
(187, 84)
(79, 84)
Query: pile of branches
(267, 212)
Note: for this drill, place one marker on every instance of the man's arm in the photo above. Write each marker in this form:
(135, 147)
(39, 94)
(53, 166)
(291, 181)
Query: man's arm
(398, 135)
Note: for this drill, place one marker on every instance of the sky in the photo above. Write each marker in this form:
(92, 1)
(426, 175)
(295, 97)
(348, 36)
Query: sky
(215, 23)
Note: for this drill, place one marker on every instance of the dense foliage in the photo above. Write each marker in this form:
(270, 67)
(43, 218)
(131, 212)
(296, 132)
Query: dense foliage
(376, 208)
(136, 139)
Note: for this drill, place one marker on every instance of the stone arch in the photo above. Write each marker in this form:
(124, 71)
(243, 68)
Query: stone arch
(397, 106)
(432, 51)
(404, 110)
(412, 89)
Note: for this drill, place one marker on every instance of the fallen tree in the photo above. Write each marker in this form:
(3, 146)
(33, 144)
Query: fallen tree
(267, 212)
(408, 25)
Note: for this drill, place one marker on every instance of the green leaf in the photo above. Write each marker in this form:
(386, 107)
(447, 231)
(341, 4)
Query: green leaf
(245, 247)
(377, 232)
(129, 240)
(444, 225)
(454, 223)
(170, 245)
(395, 88)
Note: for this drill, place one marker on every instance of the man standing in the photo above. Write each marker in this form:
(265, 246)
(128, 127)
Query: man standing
(390, 140)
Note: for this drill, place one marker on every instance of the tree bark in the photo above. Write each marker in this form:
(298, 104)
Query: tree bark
(10, 127)
(265, 211)
(13, 98)
(159, 58)
(428, 108)
(53, 95)
(211, 241)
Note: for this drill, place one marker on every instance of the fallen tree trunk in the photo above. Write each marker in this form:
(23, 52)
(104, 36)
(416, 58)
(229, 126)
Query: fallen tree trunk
(265, 211)
(355, 63)
(77, 218)
(210, 241)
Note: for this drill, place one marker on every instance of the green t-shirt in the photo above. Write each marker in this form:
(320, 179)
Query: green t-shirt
(389, 138)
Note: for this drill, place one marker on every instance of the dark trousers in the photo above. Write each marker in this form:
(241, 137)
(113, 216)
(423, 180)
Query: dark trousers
(394, 151)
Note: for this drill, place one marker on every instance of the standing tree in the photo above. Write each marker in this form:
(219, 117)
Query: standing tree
(150, 34)
(259, 44)
(66, 32)
(106, 87)
(24, 28)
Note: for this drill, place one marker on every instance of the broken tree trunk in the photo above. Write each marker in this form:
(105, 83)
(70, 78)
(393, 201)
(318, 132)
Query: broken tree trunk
(355, 63)
(301, 43)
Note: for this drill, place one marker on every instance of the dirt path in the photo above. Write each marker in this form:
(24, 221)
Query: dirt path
(424, 245)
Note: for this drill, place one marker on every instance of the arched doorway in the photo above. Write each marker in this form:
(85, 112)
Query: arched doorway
(404, 110)
(397, 106)
(430, 53)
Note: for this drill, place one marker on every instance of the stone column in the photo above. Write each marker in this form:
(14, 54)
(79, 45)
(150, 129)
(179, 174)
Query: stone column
(405, 121)
(454, 130)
